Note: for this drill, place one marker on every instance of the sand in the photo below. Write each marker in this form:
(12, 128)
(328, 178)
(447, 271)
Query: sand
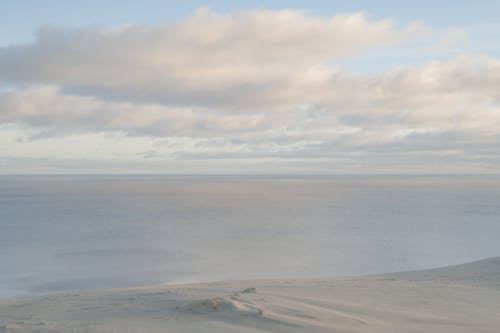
(464, 298)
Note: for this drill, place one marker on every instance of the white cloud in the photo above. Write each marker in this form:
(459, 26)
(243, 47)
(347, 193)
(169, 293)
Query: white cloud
(259, 84)
(458, 95)
(61, 114)
(207, 59)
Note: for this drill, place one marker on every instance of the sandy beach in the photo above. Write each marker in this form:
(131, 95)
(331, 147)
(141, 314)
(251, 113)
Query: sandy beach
(463, 298)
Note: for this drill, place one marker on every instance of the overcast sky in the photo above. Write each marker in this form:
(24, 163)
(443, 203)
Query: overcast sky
(326, 87)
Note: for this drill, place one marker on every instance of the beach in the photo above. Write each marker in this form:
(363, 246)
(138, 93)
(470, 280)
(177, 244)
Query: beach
(462, 298)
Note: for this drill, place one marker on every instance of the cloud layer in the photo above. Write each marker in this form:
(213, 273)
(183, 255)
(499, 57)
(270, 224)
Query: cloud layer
(252, 84)
(208, 59)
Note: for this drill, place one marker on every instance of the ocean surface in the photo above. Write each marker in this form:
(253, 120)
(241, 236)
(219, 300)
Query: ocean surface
(66, 233)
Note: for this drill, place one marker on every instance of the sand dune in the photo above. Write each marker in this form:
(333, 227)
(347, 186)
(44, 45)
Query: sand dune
(463, 298)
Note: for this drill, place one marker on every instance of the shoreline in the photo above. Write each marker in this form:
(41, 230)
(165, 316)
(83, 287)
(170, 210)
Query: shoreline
(460, 298)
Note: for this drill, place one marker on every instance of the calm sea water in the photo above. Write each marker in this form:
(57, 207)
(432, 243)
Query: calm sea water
(61, 233)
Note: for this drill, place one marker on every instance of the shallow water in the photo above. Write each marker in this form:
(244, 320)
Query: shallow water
(61, 233)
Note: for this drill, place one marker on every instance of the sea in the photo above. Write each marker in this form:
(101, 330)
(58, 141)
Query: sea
(65, 233)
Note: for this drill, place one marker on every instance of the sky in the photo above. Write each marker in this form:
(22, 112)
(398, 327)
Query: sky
(249, 87)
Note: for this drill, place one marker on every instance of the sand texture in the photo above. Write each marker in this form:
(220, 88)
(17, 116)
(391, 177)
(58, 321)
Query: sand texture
(463, 298)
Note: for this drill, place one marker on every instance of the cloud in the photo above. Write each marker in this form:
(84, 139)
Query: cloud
(208, 59)
(259, 84)
(62, 114)
(458, 95)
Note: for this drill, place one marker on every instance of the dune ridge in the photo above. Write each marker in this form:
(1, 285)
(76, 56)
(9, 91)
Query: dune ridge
(460, 298)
